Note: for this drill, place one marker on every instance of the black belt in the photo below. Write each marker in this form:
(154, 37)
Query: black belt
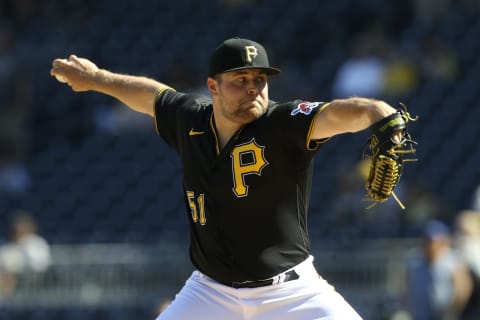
(285, 277)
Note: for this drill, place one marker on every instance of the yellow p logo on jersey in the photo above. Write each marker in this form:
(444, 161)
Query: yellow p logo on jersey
(242, 168)
(250, 53)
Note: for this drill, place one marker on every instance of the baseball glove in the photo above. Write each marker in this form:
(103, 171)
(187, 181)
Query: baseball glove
(388, 156)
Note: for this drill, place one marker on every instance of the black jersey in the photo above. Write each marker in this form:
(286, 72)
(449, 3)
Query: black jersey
(247, 204)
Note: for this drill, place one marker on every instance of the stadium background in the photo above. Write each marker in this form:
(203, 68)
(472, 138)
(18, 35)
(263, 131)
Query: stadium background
(107, 192)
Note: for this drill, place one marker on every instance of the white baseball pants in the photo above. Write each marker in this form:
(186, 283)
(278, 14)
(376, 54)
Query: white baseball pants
(308, 298)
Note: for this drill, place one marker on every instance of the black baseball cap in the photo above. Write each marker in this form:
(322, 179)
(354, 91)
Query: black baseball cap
(236, 54)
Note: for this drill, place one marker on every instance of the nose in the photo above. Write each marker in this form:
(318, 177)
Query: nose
(252, 90)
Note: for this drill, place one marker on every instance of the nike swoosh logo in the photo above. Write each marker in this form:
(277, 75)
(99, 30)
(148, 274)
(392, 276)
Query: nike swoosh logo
(193, 132)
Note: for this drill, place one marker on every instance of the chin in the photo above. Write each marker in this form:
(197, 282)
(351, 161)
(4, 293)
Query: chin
(256, 113)
(251, 114)
(247, 117)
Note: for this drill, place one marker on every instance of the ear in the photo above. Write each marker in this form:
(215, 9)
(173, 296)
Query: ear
(212, 86)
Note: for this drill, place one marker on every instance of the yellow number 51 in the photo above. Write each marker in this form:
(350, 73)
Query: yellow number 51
(197, 208)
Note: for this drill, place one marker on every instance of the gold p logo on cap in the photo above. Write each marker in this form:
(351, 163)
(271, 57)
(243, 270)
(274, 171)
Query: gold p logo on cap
(250, 53)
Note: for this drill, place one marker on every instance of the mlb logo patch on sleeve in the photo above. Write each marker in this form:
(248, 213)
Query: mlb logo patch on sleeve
(305, 108)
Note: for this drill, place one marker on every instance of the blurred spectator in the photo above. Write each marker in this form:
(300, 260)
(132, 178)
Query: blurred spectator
(26, 251)
(437, 283)
(362, 74)
(401, 75)
(467, 241)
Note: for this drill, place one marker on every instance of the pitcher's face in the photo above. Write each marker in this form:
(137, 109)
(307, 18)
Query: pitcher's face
(240, 96)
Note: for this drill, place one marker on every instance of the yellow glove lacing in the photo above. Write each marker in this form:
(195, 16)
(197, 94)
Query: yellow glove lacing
(385, 171)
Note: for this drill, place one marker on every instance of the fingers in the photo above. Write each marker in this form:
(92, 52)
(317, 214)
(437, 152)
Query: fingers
(78, 73)
(62, 63)
(57, 63)
(397, 136)
(73, 58)
(60, 67)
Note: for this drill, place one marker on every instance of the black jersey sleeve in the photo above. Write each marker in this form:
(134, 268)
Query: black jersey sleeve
(174, 112)
(166, 112)
(295, 123)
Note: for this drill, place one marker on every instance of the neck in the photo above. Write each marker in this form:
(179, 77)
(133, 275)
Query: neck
(225, 132)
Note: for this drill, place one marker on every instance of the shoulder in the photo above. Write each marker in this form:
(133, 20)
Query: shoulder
(174, 103)
(176, 110)
(169, 97)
